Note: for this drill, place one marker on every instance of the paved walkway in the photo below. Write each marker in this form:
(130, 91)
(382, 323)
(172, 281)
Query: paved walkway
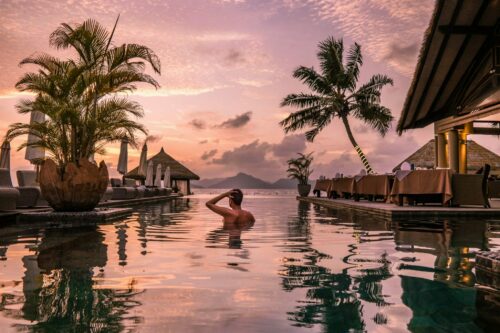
(393, 211)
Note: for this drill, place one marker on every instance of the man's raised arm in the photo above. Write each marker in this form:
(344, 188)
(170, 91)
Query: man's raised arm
(211, 204)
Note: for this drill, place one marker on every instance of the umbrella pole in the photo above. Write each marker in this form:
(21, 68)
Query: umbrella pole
(37, 170)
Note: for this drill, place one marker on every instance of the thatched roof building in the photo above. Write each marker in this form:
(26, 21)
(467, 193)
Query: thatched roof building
(180, 175)
(477, 156)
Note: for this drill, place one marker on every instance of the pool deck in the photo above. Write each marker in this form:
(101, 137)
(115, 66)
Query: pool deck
(105, 211)
(390, 210)
(74, 219)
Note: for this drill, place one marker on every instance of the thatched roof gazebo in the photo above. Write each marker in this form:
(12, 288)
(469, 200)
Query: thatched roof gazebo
(180, 176)
(477, 156)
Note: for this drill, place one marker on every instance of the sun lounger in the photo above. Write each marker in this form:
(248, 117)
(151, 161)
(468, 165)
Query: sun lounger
(140, 191)
(108, 195)
(29, 189)
(122, 192)
(8, 194)
(148, 192)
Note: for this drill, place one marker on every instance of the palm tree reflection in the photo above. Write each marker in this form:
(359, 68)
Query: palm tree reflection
(59, 288)
(333, 300)
(336, 300)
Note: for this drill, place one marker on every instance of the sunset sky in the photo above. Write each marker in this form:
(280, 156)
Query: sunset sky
(226, 65)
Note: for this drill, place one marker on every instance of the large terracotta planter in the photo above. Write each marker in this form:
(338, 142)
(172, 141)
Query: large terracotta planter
(78, 189)
(304, 189)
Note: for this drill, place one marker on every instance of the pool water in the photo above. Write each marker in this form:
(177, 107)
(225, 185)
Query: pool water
(173, 267)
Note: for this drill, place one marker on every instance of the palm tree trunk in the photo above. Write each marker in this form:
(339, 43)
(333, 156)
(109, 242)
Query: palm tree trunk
(73, 145)
(361, 155)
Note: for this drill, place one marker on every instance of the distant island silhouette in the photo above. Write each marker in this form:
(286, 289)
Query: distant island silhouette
(243, 180)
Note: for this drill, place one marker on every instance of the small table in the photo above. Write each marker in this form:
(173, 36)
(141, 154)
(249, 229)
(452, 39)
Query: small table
(422, 186)
(373, 186)
(343, 187)
(322, 185)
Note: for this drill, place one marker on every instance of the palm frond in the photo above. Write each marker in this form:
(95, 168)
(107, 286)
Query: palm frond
(330, 56)
(79, 96)
(354, 62)
(313, 80)
(376, 116)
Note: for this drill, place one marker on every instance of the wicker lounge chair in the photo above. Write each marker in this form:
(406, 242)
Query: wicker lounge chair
(27, 184)
(122, 192)
(108, 195)
(471, 189)
(8, 194)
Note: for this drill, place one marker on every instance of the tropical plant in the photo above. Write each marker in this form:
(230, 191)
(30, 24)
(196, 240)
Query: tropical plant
(82, 97)
(335, 94)
(299, 168)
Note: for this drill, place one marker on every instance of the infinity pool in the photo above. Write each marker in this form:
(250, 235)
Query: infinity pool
(174, 268)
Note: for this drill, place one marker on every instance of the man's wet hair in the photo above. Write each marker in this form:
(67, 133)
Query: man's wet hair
(237, 196)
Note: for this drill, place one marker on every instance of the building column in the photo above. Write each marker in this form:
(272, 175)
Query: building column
(441, 158)
(463, 153)
(453, 150)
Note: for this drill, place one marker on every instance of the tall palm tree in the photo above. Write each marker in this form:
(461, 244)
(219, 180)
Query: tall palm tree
(335, 94)
(82, 98)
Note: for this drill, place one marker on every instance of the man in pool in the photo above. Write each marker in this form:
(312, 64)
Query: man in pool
(233, 215)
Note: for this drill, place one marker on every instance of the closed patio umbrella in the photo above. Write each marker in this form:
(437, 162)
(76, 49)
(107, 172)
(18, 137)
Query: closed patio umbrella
(149, 174)
(35, 154)
(122, 159)
(143, 162)
(5, 156)
(158, 175)
(166, 178)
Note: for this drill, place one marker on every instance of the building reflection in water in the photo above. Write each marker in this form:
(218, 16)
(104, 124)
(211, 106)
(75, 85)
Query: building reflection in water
(335, 300)
(452, 243)
(446, 302)
(58, 287)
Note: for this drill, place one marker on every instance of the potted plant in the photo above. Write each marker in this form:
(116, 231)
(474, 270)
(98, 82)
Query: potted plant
(299, 169)
(85, 108)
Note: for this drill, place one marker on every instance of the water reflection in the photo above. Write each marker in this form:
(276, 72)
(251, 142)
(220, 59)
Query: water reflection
(162, 223)
(299, 267)
(58, 287)
(452, 243)
(332, 299)
(229, 233)
(336, 300)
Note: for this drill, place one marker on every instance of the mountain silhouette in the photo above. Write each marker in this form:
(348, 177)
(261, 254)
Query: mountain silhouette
(244, 181)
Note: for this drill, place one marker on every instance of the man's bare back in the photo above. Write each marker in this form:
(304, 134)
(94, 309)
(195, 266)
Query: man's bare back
(234, 215)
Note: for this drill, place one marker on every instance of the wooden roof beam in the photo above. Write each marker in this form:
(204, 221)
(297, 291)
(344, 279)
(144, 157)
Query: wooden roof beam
(486, 130)
(466, 29)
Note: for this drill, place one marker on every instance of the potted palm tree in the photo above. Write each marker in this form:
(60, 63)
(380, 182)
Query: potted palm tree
(336, 94)
(299, 169)
(84, 107)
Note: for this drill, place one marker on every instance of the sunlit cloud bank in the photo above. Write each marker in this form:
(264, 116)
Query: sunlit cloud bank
(388, 31)
(226, 65)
